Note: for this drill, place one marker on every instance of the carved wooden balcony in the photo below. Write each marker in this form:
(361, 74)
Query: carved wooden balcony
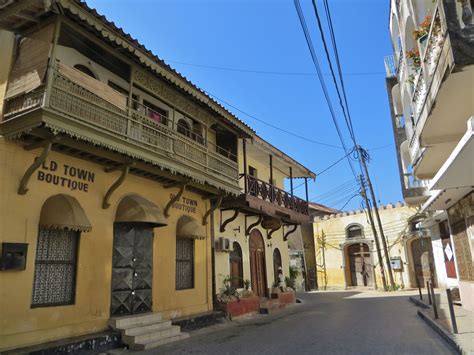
(262, 197)
(66, 107)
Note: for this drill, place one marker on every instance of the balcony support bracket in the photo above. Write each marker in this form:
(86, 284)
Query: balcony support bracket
(46, 145)
(182, 186)
(269, 234)
(249, 228)
(214, 207)
(290, 231)
(228, 220)
(125, 169)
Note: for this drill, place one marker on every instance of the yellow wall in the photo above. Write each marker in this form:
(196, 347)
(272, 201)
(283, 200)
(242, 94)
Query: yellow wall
(6, 47)
(21, 325)
(232, 232)
(394, 219)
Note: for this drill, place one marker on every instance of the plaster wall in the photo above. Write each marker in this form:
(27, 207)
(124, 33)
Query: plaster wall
(21, 325)
(394, 220)
(235, 231)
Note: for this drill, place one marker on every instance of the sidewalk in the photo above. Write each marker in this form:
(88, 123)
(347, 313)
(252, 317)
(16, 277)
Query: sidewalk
(464, 340)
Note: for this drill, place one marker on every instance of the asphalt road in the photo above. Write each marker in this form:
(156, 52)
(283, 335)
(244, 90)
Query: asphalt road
(325, 323)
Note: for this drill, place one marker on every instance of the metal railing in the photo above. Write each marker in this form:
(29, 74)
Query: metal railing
(273, 194)
(390, 66)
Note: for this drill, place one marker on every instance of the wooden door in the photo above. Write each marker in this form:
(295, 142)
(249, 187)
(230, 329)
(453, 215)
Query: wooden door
(132, 269)
(257, 263)
(360, 266)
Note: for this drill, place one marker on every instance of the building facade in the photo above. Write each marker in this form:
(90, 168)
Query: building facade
(346, 253)
(118, 176)
(257, 224)
(429, 82)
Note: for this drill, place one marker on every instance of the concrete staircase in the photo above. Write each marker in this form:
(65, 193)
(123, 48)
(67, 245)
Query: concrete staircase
(146, 331)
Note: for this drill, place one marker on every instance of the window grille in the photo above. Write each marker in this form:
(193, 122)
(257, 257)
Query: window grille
(354, 231)
(184, 263)
(55, 267)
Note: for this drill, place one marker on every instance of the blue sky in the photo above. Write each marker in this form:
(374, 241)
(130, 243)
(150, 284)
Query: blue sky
(266, 36)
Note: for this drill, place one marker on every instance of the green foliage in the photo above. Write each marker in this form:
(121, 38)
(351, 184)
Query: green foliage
(290, 282)
(294, 272)
(247, 284)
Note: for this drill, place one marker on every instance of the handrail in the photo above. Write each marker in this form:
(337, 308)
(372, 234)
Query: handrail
(268, 192)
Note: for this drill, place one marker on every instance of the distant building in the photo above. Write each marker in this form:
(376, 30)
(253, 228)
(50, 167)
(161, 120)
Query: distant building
(430, 85)
(346, 253)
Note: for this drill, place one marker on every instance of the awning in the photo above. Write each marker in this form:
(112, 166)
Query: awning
(443, 199)
(458, 169)
(64, 212)
(187, 227)
(134, 208)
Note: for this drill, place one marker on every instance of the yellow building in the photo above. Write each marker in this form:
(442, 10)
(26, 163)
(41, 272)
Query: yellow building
(117, 177)
(251, 230)
(346, 254)
(110, 163)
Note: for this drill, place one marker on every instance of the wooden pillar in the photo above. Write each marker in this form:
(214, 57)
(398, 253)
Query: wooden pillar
(244, 152)
(306, 188)
(291, 180)
(271, 169)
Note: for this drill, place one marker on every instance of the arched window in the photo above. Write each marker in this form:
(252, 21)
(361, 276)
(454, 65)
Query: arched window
(354, 231)
(85, 70)
(183, 127)
(236, 266)
(276, 264)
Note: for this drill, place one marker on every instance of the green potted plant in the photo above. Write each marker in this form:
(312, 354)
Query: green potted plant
(235, 304)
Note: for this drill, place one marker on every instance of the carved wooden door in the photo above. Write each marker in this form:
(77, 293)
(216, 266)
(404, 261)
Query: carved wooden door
(257, 263)
(132, 269)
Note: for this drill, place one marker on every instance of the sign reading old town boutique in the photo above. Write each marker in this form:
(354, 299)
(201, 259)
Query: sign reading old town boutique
(64, 175)
(185, 204)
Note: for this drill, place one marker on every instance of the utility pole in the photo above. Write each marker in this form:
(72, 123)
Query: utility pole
(379, 222)
(323, 248)
(374, 231)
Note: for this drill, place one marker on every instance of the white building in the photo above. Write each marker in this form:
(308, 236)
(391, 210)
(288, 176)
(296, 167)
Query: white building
(430, 80)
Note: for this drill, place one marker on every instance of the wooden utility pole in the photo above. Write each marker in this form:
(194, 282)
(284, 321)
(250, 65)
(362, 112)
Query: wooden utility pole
(379, 222)
(374, 231)
(323, 248)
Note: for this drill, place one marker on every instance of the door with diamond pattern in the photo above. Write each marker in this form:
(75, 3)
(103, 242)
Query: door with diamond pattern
(132, 269)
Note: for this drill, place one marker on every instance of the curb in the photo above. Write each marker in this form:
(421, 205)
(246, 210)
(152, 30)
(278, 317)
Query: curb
(418, 303)
(448, 338)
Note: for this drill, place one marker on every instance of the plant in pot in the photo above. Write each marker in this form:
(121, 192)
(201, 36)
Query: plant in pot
(421, 34)
(246, 292)
(275, 290)
(228, 292)
(414, 55)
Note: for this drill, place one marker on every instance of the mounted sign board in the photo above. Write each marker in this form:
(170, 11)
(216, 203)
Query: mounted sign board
(396, 263)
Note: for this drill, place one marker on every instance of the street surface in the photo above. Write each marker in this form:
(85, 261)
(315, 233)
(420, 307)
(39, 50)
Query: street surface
(325, 323)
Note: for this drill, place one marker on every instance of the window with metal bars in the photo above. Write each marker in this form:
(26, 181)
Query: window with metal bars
(184, 263)
(55, 267)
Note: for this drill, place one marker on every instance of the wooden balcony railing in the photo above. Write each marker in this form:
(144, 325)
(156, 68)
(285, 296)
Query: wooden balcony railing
(80, 105)
(270, 193)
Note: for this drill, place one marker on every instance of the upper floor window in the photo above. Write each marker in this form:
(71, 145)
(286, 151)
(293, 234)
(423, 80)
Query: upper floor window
(156, 113)
(354, 231)
(252, 171)
(85, 70)
(183, 127)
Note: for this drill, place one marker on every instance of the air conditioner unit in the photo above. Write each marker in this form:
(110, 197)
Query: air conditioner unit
(223, 244)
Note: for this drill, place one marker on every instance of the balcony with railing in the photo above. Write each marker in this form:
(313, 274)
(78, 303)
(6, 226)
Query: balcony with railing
(261, 197)
(69, 107)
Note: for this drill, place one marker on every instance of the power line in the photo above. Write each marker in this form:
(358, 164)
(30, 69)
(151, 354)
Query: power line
(269, 124)
(266, 72)
(321, 78)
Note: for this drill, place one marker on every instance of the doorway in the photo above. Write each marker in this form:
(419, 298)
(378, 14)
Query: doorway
(132, 269)
(422, 262)
(360, 265)
(257, 263)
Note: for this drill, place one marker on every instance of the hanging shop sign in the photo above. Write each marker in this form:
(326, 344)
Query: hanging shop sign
(68, 176)
(185, 204)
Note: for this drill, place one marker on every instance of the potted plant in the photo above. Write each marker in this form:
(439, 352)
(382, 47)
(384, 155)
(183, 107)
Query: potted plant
(421, 34)
(235, 304)
(414, 55)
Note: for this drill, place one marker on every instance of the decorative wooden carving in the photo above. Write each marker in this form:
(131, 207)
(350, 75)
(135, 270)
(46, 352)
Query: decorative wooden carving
(115, 185)
(182, 187)
(213, 208)
(23, 188)
(228, 220)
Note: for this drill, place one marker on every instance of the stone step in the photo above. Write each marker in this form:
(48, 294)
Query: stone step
(135, 320)
(152, 336)
(154, 344)
(146, 328)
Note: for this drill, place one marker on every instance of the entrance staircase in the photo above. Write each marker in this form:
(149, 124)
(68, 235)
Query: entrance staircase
(146, 331)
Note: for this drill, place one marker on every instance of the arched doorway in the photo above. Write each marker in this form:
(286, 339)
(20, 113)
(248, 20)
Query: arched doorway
(276, 264)
(132, 260)
(257, 263)
(359, 268)
(422, 263)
